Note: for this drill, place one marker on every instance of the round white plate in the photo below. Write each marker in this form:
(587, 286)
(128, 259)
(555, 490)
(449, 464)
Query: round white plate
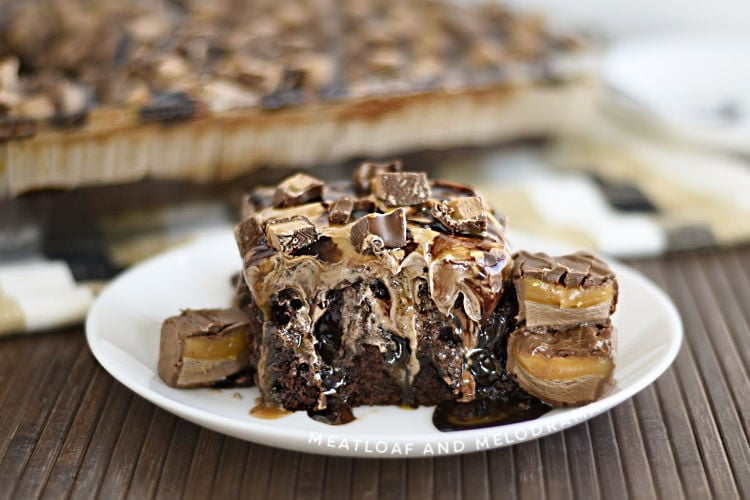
(123, 329)
(691, 84)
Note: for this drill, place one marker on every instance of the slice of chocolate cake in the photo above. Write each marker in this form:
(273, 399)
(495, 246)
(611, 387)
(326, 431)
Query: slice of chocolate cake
(395, 289)
(388, 290)
(563, 350)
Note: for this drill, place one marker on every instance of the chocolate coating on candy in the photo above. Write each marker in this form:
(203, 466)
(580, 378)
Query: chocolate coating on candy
(577, 269)
(376, 232)
(461, 215)
(563, 291)
(291, 234)
(563, 367)
(341, 211)
(367, 171)
(296, 190)
(210, 326)
(401, 188)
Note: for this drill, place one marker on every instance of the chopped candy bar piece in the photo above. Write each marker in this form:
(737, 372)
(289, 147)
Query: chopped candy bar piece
(291, 234)
(298, 189)
(401, 188)
(341, 211)
(563, 291)
(568, 367)
(376, 232)
(199, 347)
(367, 171)
(461, 215)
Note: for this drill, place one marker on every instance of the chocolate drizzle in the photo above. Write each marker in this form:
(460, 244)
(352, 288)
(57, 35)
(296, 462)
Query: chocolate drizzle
(337, 412)
(481, 413)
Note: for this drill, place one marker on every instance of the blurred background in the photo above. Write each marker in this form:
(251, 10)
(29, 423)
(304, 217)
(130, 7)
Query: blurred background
(130, 128)
(619, 19)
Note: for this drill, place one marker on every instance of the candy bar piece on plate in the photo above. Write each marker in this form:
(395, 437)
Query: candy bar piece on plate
(563, 367)
(201, 347)
(563, 291)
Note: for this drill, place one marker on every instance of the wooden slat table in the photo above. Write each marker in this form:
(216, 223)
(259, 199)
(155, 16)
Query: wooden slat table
(68, 429)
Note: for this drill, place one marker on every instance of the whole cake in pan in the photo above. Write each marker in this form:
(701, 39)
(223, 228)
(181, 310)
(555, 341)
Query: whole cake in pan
(397, 289)
(93, 91)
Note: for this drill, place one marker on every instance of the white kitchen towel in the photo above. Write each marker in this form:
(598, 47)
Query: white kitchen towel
(40, 295)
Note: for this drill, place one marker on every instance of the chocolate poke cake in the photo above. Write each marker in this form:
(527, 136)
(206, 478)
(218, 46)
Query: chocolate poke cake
(209, 90)
(398, 289)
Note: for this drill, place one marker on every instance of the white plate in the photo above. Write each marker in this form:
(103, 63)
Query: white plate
(123, 330)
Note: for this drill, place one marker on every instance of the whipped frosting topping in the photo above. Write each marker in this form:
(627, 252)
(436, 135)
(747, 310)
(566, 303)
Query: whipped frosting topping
(304, 240)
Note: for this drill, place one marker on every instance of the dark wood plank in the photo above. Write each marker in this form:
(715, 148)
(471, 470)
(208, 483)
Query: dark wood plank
(474, 475)
(529, 480)
(682, 439)
(51, 438)
(632, 451)
(689, 374)
(15, 354)
(606, 448)
(721, 369)
(282, 483)
(420, 478)
(31, 415)
(203, 466)
(658, 447)
(108, 428)
(365, 477)
(25, 385)
(310, 477)
(726, 335)
(227, 481)
(179, 455)
(77, 440)
(151, 458)
(447, 477)
(338, 480)
(502, 471)
(556, 467)
(128, 447)
(392, 479)
(583, 467)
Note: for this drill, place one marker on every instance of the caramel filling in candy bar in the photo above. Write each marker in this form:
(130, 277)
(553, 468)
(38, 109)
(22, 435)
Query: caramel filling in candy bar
(200, 347)
(561, 368)
(571, 366)
(560, 296)
(563, 291)
(215, 348)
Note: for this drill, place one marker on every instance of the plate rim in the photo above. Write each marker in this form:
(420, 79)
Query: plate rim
(298, 439)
